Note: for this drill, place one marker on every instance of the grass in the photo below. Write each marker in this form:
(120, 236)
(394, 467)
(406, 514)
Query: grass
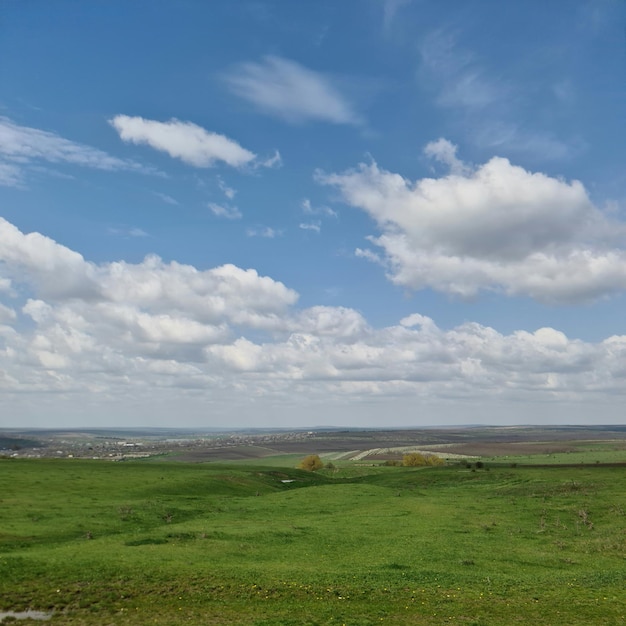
(170, 543)
(579, 452)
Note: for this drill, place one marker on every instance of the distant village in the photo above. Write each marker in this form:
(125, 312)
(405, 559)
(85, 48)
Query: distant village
(80, 445)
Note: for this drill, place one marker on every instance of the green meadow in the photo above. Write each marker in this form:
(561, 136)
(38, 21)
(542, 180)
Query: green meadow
(95, 542)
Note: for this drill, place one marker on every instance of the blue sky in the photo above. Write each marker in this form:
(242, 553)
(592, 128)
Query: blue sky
(359, 213)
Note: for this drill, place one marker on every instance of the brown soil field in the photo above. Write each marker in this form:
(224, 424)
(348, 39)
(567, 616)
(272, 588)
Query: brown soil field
(256, 444)
(488, 441)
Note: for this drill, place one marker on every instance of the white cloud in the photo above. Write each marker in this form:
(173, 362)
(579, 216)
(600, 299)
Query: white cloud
(225, 292)
(55, 270)
(229, 192)
(167, 199)
(22, 147)
(314, 226)
(7, 314)
(496, 227)
(291, 91)
(208, 344)
(273, 162)
(309, 209)
(59, 274)
(5, 286)
(225, 211)
(342, 322)
(263, 231)
(128, 232)
(444, 151)
(418, 359)
(186, 141)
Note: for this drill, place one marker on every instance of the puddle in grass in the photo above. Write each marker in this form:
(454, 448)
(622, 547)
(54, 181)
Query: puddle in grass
(24, 615)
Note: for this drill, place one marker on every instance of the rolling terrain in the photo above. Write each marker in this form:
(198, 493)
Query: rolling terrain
(499, 541)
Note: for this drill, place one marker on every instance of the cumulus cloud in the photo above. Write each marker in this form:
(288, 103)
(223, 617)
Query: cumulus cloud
(496, 227)
(169, 335)
(5, 286)
(291, 91)
(186, 141)
(7, 314)
(22, 147)
(418, 359)
(99, 326)
(56, 271)
(225, 292)
(59, 274)
(444, 151)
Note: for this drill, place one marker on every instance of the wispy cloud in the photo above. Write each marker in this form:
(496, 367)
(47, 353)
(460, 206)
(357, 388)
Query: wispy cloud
(167, 199)
(22, 147)
(497, 134)
(229, 192)
(459, 78)
(487, 106)
(263, 231)
(309, 209)
(225, 211)
(273, 162)
(390, 11)
(316, 226)
(457, 75)
(10, 175)
(128, 232)
(291, 91)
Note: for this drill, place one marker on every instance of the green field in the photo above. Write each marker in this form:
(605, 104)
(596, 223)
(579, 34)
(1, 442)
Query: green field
(583, 452)
(96, 542)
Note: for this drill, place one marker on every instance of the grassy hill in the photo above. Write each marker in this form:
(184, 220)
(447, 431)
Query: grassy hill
(170, 543)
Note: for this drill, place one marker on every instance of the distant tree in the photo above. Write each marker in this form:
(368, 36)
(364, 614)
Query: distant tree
(311, 463)
(413, 459)
(416, 459)
(435, 460)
